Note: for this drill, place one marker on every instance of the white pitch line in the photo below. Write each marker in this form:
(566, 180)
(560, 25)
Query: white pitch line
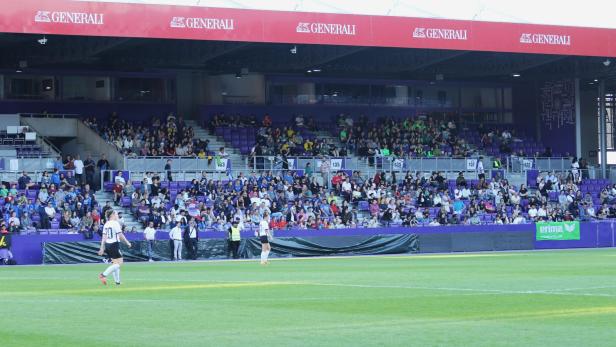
(475, 290)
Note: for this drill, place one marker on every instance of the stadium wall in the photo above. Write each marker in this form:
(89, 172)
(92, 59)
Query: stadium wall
(320, 113)
(102, 110)
(28, 249)
(589, 125)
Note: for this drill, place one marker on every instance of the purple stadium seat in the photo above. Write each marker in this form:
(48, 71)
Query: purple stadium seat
(126, 201)
(363, 206)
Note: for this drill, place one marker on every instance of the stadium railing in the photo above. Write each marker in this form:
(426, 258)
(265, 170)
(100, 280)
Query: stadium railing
(323, 178)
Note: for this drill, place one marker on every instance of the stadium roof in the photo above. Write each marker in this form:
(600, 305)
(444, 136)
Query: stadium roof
(588, 13)
(246, 24)
(120, 36)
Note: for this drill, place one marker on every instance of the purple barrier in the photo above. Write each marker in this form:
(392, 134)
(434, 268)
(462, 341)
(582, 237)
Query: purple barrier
(27, 249)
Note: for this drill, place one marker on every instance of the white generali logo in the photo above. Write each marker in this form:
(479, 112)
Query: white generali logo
(69, 17)
(203, 23)
(440, 34)
(326, 28)
(546, 39)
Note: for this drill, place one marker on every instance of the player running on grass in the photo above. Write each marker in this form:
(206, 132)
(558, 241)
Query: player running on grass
(265, 234)
(110, 244)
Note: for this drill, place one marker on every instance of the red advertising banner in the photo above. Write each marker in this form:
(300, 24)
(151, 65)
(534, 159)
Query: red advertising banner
(64, 17)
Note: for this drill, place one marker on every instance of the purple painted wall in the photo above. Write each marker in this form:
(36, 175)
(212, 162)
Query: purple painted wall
(556, 107)
(27, 249)
(525, 109)
(321, 113)
(133, 111)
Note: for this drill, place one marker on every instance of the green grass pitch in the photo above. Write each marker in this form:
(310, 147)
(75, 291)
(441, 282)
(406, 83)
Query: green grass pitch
(546, 298)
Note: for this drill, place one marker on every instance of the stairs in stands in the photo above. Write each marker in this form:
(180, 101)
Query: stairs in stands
(129, 220)
(356, 163)
(237, 161)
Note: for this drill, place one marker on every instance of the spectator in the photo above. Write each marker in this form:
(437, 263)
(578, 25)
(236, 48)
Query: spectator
(25, 182)
(168, 170)
(90, 169)
(103, 166)
(461, 181)
(68, 163)
(79, 166)
(118, 187)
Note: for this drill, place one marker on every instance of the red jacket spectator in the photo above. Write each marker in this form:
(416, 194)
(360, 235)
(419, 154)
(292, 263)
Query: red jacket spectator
(334, 208)
(377, 179)
(336, 180)
(96, 218)
(267, 121)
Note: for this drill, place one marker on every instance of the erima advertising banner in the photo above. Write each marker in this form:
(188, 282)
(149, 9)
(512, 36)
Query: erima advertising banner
(86, 18)
(558, 231)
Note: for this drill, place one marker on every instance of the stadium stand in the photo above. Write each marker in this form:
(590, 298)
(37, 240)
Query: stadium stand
(413, 137)
(420, 199)
(23, 147)
(298, 199)
(162, 136)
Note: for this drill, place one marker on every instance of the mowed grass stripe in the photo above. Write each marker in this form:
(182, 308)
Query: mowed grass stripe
(501, 299)
(119, 290)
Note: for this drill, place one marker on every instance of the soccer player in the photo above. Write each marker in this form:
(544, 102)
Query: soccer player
(110, 244)
(264, 235)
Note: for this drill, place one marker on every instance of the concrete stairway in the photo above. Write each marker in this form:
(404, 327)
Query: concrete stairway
(237, 160)
(129, 220)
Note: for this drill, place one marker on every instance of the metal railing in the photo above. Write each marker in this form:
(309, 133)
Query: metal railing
(49, 115)
(323, 178)
(520, 164)
(35, 175)
(28, 164)
(443, 164)
(156, 164)
(299, 163)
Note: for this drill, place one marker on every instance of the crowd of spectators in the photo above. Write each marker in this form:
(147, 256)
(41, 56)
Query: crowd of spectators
(356, 201)
(420, 137)
(312, 200)
(293, 138)
(162, 136)
(58, 199)
(296, 201)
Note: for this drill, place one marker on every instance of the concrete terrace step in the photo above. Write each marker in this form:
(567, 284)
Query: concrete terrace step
(237, 160)
(129, 219)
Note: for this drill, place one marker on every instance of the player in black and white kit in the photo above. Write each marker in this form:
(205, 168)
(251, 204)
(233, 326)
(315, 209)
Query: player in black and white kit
(110, 244)
(264, 235)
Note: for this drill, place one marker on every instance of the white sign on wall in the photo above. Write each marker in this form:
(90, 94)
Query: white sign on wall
(221, 164)
(398, 165)
(335, 164)
(471, 164)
